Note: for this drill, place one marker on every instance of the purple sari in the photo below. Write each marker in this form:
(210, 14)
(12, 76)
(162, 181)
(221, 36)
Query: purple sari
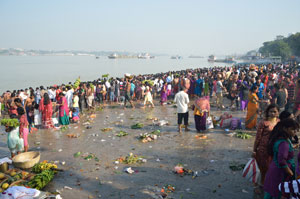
(163, 94)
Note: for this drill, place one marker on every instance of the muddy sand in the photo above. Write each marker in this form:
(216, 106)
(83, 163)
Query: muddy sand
(210, 157)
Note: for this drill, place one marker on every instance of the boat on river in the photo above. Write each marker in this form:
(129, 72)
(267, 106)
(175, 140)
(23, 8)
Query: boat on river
(145, 56)
(113, 56)
(212, 58)
(176, 57)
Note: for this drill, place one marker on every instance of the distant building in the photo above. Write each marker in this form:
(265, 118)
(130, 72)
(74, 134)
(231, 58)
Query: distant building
(279, 37)
(252, 55)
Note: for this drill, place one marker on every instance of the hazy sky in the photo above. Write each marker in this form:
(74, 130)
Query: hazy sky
(163, 26)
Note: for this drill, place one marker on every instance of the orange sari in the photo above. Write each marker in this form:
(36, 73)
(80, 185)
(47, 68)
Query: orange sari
(252, 108)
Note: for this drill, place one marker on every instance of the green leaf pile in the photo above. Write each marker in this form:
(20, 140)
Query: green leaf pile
(10, 122)
(137, 126)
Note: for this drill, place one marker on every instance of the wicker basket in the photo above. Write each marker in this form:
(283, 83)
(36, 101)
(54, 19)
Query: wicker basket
(26, 160)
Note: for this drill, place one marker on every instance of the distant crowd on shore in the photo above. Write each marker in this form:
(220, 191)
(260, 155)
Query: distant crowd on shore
(272, 84)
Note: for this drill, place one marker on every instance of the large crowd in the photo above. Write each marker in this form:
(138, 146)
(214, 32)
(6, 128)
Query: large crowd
(270, 92)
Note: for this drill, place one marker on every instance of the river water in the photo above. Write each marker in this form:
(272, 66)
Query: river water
(24, 71)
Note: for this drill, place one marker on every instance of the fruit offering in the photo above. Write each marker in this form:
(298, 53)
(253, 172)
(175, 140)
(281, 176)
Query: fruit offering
(10, 122)
(132, 159)
(41, 179)
(39, 167)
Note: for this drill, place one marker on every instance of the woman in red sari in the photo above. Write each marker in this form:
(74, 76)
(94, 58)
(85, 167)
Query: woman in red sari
(46, 110)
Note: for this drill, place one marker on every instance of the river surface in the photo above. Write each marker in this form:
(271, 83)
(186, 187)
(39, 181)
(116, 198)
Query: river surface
(19, 72)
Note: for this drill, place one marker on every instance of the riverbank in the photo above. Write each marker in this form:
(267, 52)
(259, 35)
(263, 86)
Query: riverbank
(211, 157)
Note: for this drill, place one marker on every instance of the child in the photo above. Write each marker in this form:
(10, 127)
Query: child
(75, 115)
(284, 115)
(37, 117)
(148, 97)
(23, 126)
(30, 117)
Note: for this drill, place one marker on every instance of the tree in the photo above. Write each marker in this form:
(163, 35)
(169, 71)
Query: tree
(276, 48)
(294, 43)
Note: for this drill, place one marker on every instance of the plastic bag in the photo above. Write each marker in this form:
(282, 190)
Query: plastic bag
(55, 121)
(292, 187)
(251, 171)
(209, 123)
(20, 192)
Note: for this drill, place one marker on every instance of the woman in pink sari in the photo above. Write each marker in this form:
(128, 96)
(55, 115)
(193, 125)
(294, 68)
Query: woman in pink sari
(45, 108)
(63, 110)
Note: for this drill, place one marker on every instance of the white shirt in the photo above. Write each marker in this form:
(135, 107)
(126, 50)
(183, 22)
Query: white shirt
(52, 94)
(69, 97)
(182, 101)
(219, 87)
(107, 84)
(23, 96)
(169, 87)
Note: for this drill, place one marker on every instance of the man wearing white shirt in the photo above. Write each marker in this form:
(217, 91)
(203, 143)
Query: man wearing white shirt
(182, 101)
(69, 96)
(52, 94)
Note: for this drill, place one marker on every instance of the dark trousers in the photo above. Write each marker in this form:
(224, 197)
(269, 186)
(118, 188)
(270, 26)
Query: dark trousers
(289, 106)
(185, 117)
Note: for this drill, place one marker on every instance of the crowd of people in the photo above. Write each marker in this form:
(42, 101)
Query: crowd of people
(269, 92)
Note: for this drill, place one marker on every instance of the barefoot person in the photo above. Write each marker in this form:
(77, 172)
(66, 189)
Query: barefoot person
(90, 97)
(127, 93)
(63, 110)
(148, 96)
(260, 149)
(23, 129)
(182, 101)
(45, 108)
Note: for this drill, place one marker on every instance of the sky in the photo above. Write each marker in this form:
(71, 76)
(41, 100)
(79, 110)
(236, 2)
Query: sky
(186, 27)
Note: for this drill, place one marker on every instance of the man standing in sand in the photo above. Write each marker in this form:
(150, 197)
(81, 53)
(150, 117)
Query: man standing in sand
(127, 93)
(219, 92)
(182, 101)
(90, 97)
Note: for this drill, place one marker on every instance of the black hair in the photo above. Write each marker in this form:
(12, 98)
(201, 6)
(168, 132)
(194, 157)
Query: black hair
(17, 100)
(271, 106)
(278, 132)
(284, 115)
(20, 111)
(46, 99)
(13, 116)
(254, 87)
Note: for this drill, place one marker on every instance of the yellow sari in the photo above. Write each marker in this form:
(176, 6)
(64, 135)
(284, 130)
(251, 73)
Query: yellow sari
(252, 108)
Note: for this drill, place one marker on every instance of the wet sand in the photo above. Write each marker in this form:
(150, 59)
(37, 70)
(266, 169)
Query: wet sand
(211, 157)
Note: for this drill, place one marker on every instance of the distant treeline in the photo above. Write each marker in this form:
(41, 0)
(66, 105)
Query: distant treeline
(286, 47)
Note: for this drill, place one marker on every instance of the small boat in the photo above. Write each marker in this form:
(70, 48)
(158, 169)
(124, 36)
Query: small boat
(212, 58)
(195, 56)
(176, 57)
(145, 56)
(97, 57)
(228, 60)
(113, 56)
